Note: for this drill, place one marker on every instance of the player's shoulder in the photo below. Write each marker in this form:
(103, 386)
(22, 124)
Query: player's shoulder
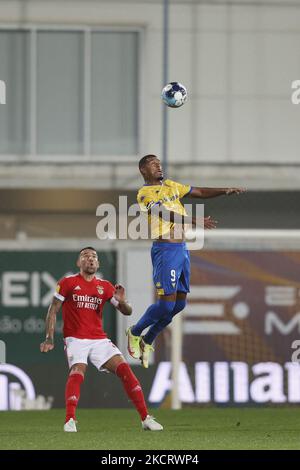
(169, 182)
(103, 282)
(69, 278)
(143, 190)
(143, 193)
(178, 186)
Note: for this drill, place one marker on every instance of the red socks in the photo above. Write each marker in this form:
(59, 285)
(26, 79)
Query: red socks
(130, 382)
(72, 394)
(133, 388)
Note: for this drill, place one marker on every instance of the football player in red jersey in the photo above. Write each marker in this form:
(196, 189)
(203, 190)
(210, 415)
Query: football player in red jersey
(82, 297)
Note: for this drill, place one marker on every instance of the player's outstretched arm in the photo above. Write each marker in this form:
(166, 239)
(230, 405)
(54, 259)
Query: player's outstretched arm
(120, 298)
(170, 216)
(53, 310)
(205, 193)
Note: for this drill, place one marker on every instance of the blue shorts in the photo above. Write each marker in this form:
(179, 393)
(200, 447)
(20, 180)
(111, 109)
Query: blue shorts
(171, 267)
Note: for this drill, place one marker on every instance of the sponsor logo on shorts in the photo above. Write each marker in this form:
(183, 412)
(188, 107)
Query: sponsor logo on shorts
(160, 291)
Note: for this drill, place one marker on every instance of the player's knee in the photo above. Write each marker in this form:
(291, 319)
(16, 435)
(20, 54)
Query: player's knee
(166, 307)
(78, 369)
(179, 306)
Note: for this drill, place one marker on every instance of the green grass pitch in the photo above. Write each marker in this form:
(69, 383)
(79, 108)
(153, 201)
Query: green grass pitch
(206, 428)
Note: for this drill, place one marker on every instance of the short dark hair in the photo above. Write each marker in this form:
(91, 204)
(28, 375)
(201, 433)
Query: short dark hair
(87, 248)
(145, 160)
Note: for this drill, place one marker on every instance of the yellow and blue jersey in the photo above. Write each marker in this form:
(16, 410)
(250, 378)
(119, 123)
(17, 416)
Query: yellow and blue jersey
(167, 194)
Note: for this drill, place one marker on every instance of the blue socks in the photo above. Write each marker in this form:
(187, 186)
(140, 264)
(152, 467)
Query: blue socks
(153, 314)
(164, 317)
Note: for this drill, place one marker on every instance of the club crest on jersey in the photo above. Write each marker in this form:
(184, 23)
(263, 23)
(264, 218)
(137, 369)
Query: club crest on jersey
(100, 290)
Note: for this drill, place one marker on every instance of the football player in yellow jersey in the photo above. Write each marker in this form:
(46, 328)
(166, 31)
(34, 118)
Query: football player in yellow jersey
(170, 258)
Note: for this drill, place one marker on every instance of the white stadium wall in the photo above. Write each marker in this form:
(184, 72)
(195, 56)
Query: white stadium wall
(237, 61)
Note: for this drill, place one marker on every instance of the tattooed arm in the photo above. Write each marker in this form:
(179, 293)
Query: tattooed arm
(53, 310)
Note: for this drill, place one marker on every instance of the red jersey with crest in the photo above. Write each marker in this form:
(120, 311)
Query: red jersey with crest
(83, 303)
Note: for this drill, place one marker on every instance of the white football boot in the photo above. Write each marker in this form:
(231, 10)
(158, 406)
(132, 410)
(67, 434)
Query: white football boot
(149, 424)
(70, 426)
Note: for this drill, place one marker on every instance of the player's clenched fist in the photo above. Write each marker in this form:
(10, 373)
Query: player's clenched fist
(46, 346)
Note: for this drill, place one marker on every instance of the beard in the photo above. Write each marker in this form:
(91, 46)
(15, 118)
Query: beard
(90, 269)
